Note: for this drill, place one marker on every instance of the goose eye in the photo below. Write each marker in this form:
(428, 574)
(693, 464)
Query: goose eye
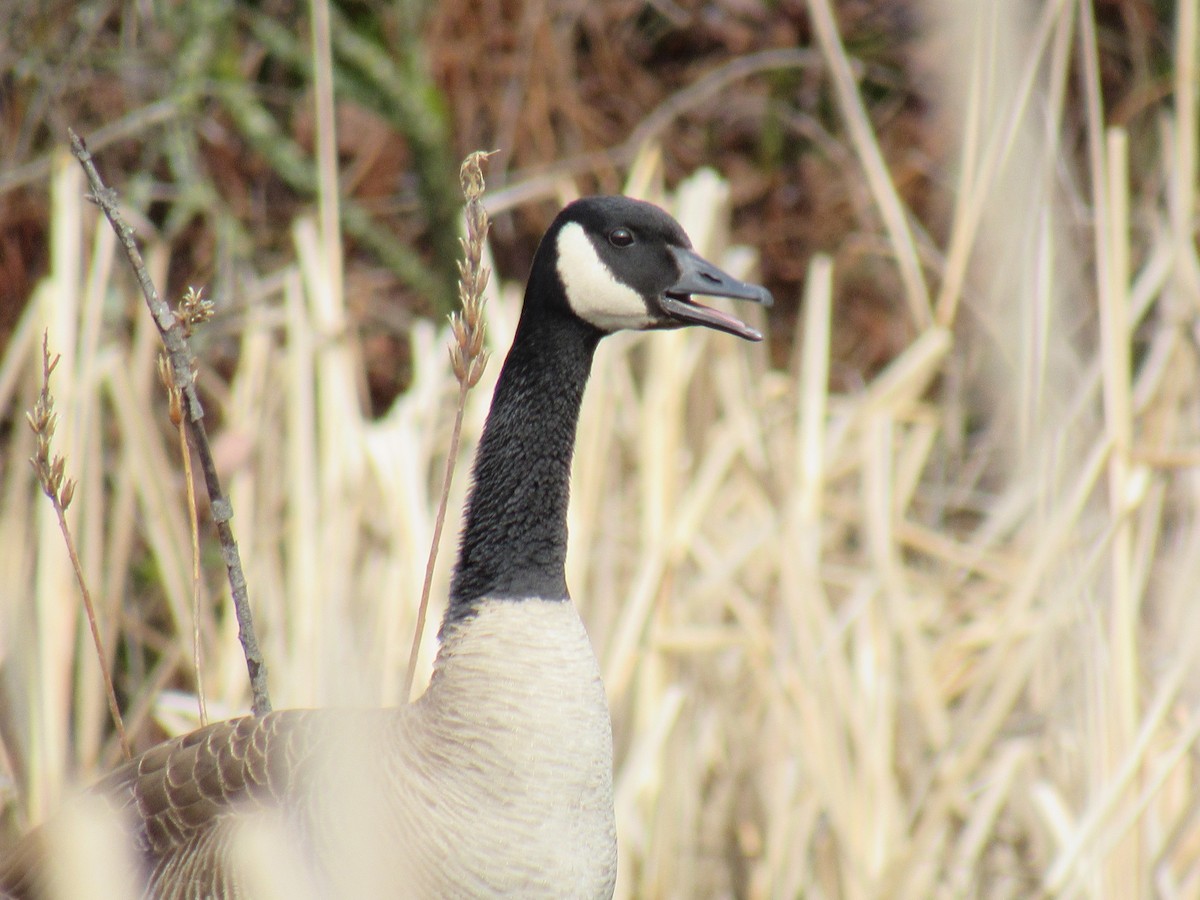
(620, 237)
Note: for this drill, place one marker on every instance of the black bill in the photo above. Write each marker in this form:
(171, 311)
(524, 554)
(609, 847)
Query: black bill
(699, 276)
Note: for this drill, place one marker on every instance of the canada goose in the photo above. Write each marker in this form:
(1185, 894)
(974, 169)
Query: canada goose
(498, 780)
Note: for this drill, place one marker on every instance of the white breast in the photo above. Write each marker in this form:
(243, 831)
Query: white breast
(507, 760)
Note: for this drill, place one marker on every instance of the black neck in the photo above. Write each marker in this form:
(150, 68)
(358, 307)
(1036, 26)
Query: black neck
(514, 540)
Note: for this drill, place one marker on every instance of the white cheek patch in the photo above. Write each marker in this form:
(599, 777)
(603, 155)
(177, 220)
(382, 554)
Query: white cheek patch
(594, 293)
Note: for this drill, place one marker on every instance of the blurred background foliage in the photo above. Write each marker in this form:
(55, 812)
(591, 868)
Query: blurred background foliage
(203, 112)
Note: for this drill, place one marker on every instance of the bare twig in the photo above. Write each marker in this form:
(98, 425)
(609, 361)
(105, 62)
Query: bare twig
(174, 338)
(467, 357)
(50, 470)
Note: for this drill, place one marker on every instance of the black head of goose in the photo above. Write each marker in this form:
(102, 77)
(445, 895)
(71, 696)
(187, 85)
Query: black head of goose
(498, 780)
(605, 264)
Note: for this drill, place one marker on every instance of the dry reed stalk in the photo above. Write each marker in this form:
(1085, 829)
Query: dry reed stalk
(339, 398)
(147, 464)
(301, 571)
(1116, 709)
(467, 360)
(51, 470)
(175, 413)
(862, 135)
(985, 147)
(52, 596)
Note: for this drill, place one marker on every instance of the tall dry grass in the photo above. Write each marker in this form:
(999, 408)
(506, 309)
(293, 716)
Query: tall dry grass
(932, 638)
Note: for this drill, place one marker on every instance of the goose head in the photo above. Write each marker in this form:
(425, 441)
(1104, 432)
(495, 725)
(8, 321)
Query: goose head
(618, 263)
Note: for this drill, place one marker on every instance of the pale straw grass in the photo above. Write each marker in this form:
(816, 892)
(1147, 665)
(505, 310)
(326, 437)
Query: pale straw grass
(935, 637)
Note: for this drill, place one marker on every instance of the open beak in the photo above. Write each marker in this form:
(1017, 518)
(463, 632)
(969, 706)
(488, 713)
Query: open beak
(699, 276)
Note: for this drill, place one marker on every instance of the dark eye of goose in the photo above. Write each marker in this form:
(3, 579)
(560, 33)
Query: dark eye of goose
(620, 237)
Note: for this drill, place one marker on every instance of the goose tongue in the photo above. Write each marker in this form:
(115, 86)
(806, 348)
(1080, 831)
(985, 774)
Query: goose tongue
(698, 276)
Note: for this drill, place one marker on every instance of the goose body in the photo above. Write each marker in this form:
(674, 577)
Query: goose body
(498, 780)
